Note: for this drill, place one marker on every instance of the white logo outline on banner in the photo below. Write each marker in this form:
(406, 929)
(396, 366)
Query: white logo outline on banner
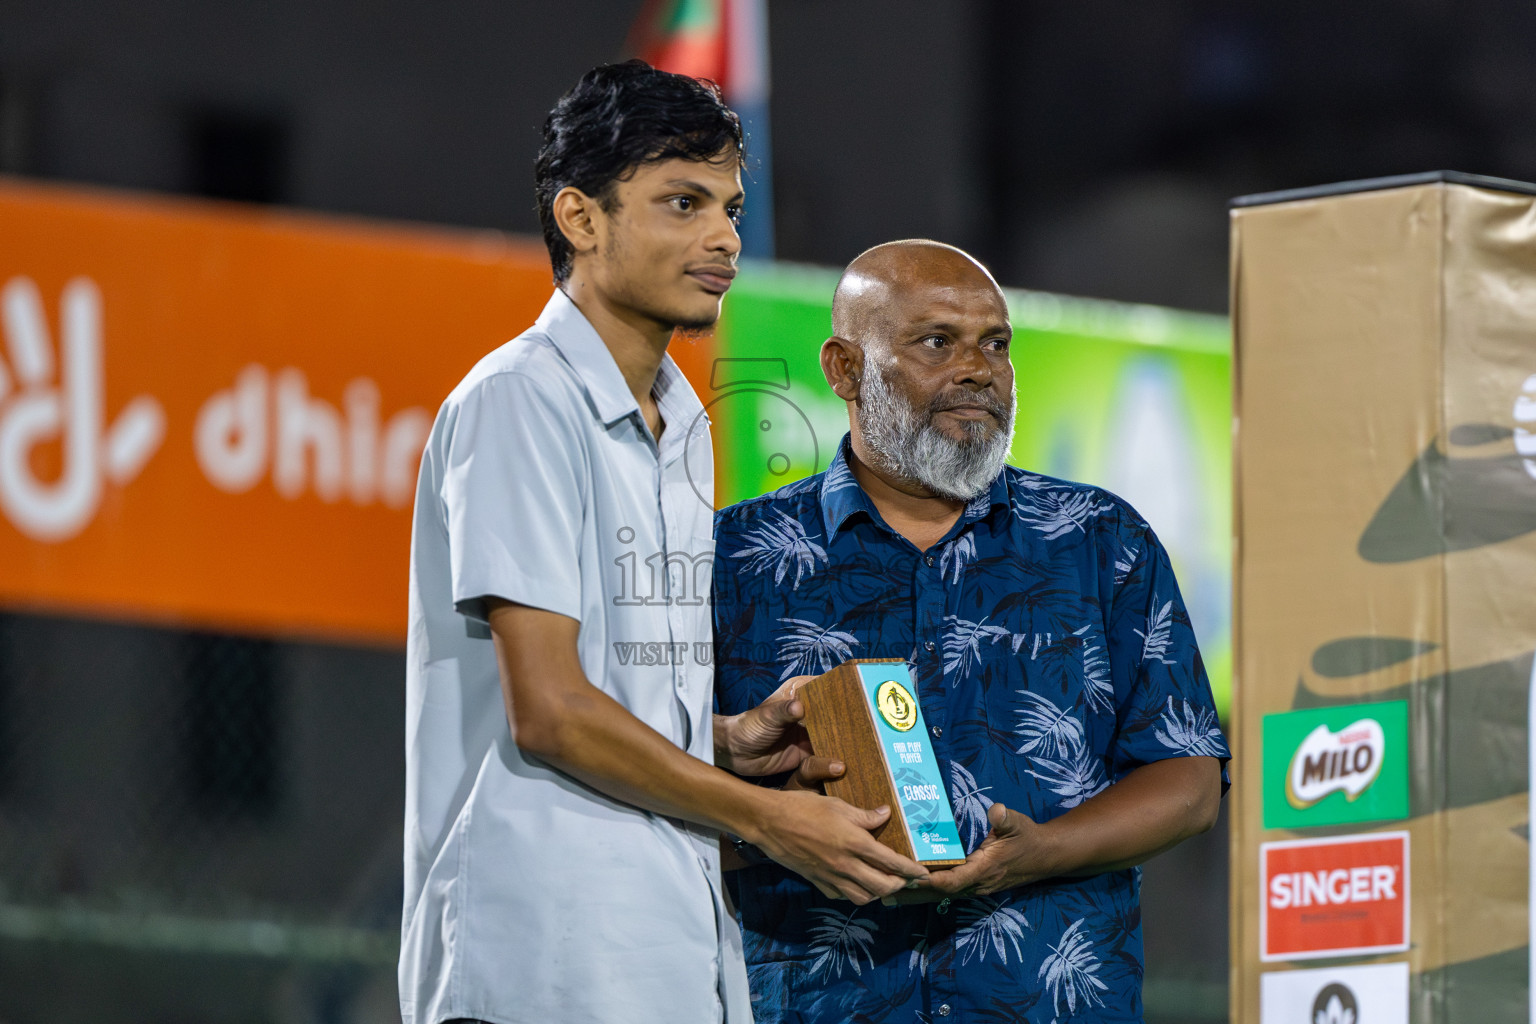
(44, 397)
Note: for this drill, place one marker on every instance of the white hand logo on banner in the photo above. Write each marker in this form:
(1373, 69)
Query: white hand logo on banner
(42, 402)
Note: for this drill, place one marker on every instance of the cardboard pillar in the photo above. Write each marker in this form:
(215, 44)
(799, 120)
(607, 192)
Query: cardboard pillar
(1385, 591)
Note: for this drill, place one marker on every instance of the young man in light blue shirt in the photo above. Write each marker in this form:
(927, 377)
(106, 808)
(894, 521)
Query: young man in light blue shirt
(563, 800)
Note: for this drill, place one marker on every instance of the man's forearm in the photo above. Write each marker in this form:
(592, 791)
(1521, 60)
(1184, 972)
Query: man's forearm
(1155, 807)
(556, 715)
(593, 738)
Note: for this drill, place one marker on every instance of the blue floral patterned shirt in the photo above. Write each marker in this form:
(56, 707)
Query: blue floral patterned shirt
(1052, 655)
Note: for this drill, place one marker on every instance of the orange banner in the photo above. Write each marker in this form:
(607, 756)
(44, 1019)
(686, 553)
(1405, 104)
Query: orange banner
(212, 415)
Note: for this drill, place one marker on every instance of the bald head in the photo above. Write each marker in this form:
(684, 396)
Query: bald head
(879, 278)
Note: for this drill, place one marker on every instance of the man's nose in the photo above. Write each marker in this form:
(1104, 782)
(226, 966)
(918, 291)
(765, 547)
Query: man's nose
(972, 366)
(723, 236)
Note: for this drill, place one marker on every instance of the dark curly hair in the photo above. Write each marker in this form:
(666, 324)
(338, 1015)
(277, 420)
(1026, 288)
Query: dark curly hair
(618, 117)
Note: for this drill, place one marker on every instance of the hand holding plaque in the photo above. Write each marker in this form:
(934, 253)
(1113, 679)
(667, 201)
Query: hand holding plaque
(865, 713)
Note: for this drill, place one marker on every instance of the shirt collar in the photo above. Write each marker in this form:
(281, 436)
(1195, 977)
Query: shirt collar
(578, 341)
(841, 496)
(607, 390)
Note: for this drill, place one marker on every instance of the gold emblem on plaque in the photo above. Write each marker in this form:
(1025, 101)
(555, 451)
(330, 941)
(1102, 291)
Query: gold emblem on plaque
(896, 705)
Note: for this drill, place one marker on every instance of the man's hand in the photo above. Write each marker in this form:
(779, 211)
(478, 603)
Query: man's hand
(828, 841)
(767, 739)
(1016, 852)
(814, 773)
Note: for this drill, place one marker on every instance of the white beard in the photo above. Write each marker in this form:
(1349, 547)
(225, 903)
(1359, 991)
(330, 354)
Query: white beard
(915, 450)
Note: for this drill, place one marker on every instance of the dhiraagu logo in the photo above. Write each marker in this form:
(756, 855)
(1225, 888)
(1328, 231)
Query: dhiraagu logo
(1338, 765)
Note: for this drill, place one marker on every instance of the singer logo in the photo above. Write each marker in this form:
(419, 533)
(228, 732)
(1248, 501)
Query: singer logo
(1344, 896)
(1328, 762)
(54, 405)
(1331, 766)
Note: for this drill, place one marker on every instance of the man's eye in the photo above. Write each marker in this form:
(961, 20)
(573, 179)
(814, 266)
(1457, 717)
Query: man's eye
(734, 212)
(935, 341)
(682, 204)
(998, 344)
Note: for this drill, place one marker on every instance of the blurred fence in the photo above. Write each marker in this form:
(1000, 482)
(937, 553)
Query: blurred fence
(174, 795)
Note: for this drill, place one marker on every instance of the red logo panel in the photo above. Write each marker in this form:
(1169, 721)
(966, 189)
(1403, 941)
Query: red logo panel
(1344, 896)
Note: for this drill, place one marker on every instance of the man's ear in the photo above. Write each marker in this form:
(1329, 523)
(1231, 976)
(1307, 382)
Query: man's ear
(576, 215)
(842, 363)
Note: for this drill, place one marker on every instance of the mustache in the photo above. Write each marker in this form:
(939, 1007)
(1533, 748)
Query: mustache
(993, 403)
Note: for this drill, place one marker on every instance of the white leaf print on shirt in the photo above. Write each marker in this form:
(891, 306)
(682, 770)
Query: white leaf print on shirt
(985, 923)
(1159, 635)
(970, 804)
(1074, 778)
(839, 478)
(1097, 687)
(1125, 563)
(838, 942)
(1070, 968)
(780, 542)
(917, 960)
(1055, 512)
(1195, 732)
(808, 649)
(1047, 729)
(962, 643)
(959, 553)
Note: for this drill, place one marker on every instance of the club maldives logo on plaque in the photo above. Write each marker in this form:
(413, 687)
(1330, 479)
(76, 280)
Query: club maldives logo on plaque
(1338, 765)
(1341, 896)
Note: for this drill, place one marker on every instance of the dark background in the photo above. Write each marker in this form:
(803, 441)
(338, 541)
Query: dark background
(1086, 147)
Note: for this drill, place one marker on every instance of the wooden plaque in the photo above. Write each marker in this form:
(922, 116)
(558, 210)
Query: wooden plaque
(865, 714)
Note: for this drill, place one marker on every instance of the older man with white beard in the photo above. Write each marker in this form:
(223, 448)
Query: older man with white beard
(1055, 664)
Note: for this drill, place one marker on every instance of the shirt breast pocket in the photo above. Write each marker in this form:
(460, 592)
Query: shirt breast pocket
(1070, 667)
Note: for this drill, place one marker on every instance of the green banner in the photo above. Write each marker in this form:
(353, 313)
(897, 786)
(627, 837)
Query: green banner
(1133, 398)
(1333, 766)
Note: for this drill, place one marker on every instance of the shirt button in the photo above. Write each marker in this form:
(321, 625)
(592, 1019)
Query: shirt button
(944, 1010)
(927, 645)
(929, 559)
(937, 732)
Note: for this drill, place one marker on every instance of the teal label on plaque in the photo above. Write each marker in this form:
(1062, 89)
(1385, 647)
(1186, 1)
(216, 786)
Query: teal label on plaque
(904, 741)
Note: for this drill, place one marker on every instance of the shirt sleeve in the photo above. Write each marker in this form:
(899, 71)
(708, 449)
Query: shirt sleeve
(1167, 709)
(513, 494)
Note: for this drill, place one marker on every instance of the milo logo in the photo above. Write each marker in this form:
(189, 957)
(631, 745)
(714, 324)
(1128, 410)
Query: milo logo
(1347, 762)
(1336, 765)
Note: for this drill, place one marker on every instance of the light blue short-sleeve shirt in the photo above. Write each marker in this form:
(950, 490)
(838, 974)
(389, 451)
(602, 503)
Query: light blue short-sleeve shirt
(528, 895)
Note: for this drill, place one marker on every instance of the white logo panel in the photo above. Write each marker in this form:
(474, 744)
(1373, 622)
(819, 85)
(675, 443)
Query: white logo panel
(1366, 994)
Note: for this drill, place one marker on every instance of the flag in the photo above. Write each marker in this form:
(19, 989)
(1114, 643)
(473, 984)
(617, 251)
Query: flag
(725, 41)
